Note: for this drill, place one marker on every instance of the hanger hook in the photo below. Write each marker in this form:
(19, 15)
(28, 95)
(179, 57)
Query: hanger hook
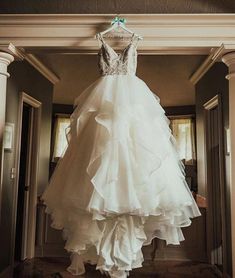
(118, 20)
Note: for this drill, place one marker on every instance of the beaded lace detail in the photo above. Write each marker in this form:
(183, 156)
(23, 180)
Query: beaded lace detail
(112, 63)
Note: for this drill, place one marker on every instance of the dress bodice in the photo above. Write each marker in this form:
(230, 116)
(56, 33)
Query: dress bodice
(112, 63)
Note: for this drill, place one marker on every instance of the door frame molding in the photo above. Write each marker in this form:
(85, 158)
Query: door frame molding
(37, 105)
(212, 103)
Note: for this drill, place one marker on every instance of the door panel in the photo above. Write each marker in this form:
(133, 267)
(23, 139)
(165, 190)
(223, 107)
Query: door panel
(22, 202)
(215, 178)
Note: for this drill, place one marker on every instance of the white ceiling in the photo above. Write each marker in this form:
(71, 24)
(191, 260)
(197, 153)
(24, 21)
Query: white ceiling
(167, 76)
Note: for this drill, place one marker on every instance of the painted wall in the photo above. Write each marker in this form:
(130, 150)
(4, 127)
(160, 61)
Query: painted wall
(117, 7)
(23, 78)
(154, 70)
(213, 83)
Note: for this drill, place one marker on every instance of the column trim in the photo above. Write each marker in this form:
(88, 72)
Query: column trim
(5, 60)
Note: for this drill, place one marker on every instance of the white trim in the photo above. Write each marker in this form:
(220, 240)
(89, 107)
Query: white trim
(206, 64)
(162, 32)
(20, 55)
(213, 102)
(215, 56)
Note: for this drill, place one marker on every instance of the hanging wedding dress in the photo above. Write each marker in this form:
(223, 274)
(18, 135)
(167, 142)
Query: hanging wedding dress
(120, 183)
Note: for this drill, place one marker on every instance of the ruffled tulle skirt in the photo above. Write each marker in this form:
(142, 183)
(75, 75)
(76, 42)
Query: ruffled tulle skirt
(120, 183)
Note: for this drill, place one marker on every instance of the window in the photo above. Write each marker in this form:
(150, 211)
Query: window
(184, 132)
(60, 142)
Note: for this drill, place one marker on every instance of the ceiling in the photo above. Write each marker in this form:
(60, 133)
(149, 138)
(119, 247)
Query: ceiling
(116, 6)
(167, 76)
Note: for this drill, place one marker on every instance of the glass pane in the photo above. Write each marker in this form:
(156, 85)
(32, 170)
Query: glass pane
(183, 131)
(60, 144)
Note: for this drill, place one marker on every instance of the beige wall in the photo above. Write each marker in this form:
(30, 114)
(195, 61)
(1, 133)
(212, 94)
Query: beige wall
(166, 75)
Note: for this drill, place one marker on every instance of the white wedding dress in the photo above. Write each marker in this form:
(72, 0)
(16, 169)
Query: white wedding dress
(120, 183)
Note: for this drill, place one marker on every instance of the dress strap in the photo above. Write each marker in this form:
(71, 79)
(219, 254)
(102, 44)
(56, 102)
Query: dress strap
(100, 39)
(134, 39)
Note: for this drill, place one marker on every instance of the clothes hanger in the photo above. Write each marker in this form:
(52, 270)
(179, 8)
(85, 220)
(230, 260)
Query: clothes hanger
(117, 23)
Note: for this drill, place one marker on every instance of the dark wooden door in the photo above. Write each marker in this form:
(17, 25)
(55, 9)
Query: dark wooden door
(216, 226)
(21, 225)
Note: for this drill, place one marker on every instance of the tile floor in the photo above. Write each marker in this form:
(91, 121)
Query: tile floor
(55, 268)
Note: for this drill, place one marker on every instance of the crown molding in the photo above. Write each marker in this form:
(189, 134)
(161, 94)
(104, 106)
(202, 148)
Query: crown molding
(206, 64)
(11, 49)
(20, 55)
(216, 19)
(216, 55)
(163, 33)
(42, 68)
(25, 35)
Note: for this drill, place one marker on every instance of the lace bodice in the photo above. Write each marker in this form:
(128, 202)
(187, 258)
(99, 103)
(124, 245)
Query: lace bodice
(112, 63)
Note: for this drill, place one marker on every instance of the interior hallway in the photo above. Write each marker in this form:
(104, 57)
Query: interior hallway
(58, 53)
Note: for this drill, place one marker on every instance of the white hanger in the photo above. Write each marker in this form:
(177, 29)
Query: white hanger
(116, 23)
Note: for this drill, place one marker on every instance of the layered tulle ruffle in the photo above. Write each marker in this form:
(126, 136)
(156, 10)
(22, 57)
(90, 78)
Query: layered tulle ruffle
(120, 177)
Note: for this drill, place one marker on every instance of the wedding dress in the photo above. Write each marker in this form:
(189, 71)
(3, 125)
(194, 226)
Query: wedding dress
(120, 182)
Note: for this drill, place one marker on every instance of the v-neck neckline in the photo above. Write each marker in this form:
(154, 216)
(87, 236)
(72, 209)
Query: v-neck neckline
(122, 51)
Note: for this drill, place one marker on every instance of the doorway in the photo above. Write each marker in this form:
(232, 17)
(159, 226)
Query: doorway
(26, 178)
(215, 176)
